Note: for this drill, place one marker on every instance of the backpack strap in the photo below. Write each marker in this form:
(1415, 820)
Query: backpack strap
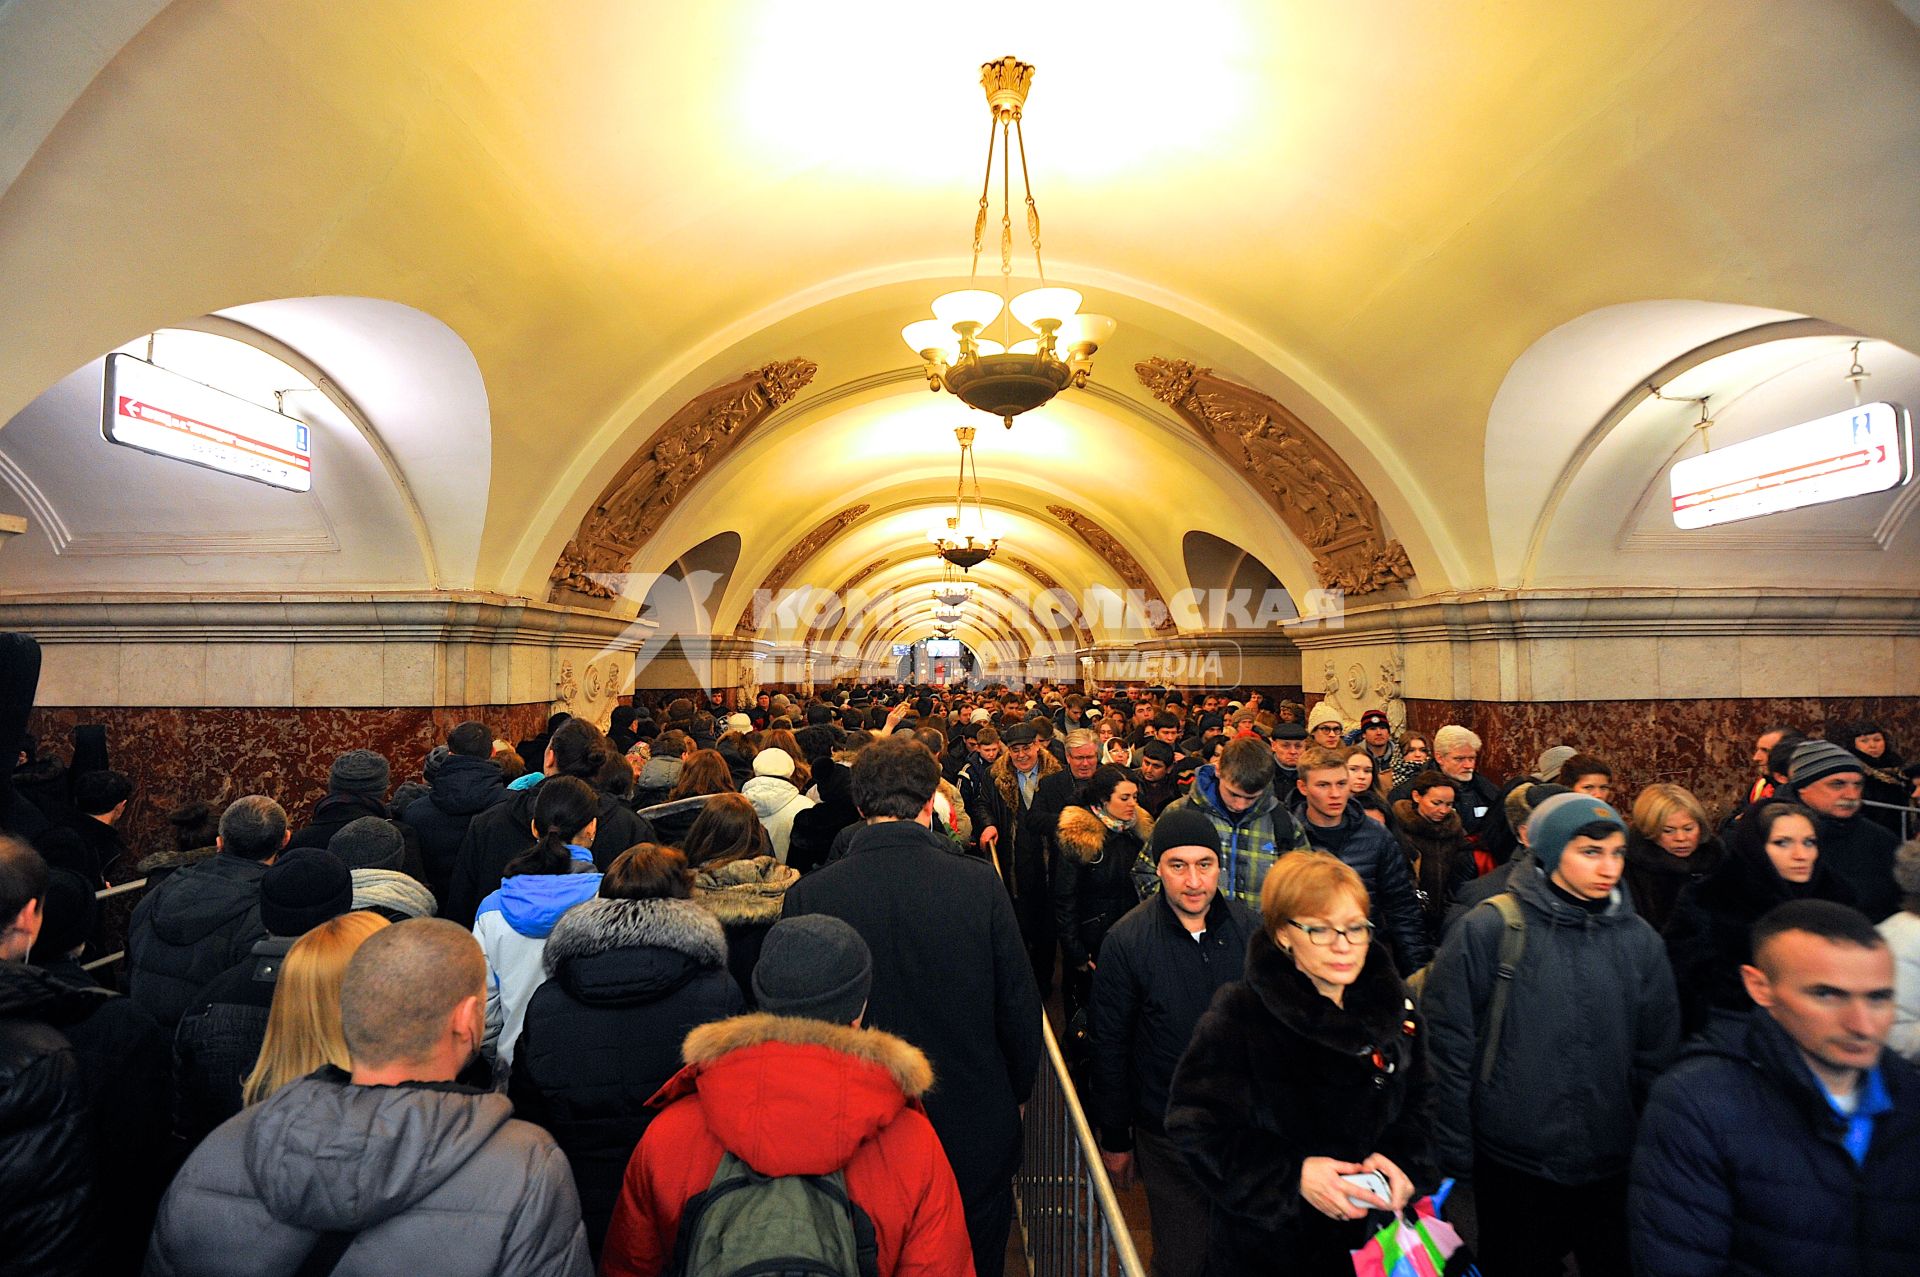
(325, 1256)
(1513, 945)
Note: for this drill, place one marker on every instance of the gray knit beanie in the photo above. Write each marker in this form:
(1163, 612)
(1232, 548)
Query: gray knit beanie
(1819, 759)
(814, 966)
(359, 771)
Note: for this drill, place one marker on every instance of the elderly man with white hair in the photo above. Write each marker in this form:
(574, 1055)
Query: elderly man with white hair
(1477, 798)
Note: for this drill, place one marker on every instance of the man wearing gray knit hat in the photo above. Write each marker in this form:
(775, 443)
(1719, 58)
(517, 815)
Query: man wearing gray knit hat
(815, 966)
(357, 786)
(1832, 781)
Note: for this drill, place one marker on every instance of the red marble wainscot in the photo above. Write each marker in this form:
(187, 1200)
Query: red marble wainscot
(1705, 745)
(175, 755)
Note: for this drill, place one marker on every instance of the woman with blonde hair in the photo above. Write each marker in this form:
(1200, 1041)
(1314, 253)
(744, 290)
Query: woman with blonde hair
(303, 1026)
(1310, 1069)
(1668, 846)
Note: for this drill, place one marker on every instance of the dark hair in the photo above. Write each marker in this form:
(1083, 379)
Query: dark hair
(933, 739)
(647, 871)
(703, 772)
(894, 777)
(557, 720)
(1598, 830)
(23, 878)
(194, 825)
(470, 740)
(816, 742)
(1162, 721)
(97, 793)
(1247, 762)
(1780, 757)
(562, 807)
(1100, 786)
(1582, 765)
(671, 743)
(726, 830)
(579, 750)
(253, 828)
(1432, 779)
(1839, 923)
(615, 777)
(1768, 814)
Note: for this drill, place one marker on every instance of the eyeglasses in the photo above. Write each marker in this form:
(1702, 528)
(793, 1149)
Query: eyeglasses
(1359, 933)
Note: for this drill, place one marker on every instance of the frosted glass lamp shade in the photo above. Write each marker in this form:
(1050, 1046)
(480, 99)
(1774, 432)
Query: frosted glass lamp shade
(930, 334)
(989, 347)
(1031, 346)
(1091, 331)
(967, 306)
(1038, 304)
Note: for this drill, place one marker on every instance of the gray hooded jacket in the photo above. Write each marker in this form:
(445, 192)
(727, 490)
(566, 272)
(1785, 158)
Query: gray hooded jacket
(432, 1177)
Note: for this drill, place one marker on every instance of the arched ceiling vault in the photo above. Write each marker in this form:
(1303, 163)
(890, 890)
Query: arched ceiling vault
(618, 206)
(1004, 587)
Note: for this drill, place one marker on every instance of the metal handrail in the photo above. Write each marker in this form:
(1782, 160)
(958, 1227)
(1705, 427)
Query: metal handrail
(119, 888)
(1070, 1219)
(1909, 816)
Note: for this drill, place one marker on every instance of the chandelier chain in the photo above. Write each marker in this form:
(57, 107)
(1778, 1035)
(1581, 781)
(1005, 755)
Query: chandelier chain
(980, 218)
(1033, 209)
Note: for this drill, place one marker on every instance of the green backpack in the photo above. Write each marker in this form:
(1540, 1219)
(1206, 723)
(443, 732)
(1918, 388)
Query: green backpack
(1513, 945)
(751, 1225)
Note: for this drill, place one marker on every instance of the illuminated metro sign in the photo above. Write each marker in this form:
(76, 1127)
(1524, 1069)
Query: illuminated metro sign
(161, 412)
(1849, 454)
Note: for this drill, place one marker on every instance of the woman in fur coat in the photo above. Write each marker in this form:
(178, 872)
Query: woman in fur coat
(1098, 877)
(1311, 1068)
(629, 974)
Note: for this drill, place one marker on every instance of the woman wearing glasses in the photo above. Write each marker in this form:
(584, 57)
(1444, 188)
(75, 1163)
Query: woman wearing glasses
(1312, 1068)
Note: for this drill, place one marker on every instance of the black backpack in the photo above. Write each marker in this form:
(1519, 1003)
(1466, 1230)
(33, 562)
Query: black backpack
(751, 1225)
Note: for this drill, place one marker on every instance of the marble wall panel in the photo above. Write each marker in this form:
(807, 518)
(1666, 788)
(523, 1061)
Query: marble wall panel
(174, 755)
(1703, 744)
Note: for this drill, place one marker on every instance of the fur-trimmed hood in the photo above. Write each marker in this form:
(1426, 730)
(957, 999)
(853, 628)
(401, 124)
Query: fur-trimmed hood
(1419, 829)
(601, 925)
(1003, 776)
(744, 892)
(1083, 835)
(167, 861)
(904, 1062)
(790, 1096)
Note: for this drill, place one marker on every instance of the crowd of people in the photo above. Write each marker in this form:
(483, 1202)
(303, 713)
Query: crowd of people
(706, 987)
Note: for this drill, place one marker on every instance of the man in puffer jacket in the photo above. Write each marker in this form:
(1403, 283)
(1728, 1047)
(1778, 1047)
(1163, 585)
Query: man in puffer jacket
(1337, 826)
(800, 1089)
(46, 1158)
(1788, 1142)
(1237, 795)
(774, 798)
(1543, 1122)
(206, 917)
(395, 1167)
(462, 782)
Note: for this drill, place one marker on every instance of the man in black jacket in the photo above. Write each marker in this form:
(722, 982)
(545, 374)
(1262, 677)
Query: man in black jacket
(1159, 969)
(1011, 824)
(1831, 781)
(1788, 1142)
(206, 917)
(1477, 799)
(46, 1153)
(357, 786)
(949, 975)
(462, 783)
(220, 1036)
(1335, 825)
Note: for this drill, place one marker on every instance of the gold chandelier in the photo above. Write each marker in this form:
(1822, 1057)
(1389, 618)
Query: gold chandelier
(965, 538)
(1009, 376)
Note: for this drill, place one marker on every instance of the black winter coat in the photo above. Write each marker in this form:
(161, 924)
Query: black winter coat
(1708, 937)
(1860, 853)
(1153, 984)
(504, 830)
(1276, 1074)
(200, 921)
(1439, 857)
(1370, 851)
(1591, 1020)
(1741, 1169)
(124, 1066)
(626, 981)
(815, 829)
(334, 813)
(460, 789)
(1656, 877)
(949, 976)
(47, 1161)
(219, 1039)
(1486, 831)
(1094, 880)
(671, 822)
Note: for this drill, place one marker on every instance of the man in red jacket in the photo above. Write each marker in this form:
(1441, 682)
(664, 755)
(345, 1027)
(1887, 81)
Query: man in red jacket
(799, 1089)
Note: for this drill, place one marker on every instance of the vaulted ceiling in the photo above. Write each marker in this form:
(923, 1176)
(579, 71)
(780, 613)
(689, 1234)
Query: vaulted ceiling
(1453, 241)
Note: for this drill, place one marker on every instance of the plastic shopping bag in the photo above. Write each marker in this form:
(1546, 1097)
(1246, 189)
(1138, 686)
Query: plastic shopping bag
(1416, 1243)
